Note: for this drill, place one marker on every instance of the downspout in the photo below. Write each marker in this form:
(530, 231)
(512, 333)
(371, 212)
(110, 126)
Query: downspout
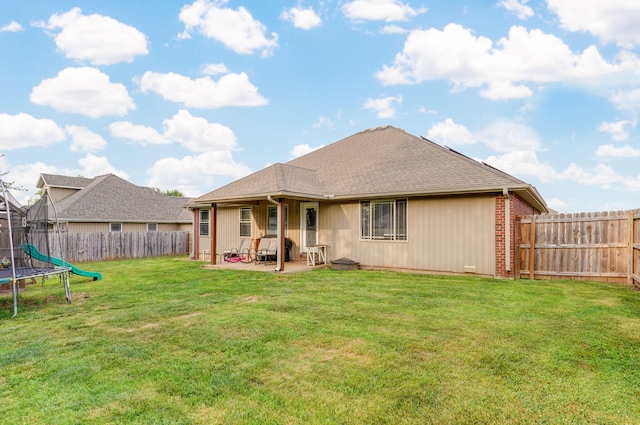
(279, 211)
(507, 229)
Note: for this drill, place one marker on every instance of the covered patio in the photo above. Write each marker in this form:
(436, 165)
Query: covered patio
(291, 267)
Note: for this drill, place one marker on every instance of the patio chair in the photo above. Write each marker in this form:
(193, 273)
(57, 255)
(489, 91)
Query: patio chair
(241, 253)
(267, 250)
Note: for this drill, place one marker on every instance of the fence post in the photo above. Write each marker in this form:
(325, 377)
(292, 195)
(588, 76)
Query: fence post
(532, 249)
(517, 250)
(631, 253)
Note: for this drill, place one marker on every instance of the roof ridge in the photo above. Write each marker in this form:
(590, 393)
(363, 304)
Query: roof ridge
(379, 128)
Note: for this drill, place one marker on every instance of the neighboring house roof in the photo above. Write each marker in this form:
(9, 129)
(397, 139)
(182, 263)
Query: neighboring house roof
(379, 162)
(66, 182)
(109, 198)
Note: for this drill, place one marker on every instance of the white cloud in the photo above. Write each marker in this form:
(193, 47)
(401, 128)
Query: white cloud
(631, 184)
(518, 145)
(26, 176)
(203, 169)
(617, 129)
(500, 136)
(393, 29)
(509, 136)
(610, 151)
(215, 69)
(84, 140)
(24, 131)
(214, 144)
(456, 55)
(197, 134)
(611, 21)
(518, 7)
(229, 90)
(13, 26)
(84, 91)
(236, 29)
(101, 40)
(384, 107)
(137, 133)
(626, 99)
(602, 175)
(557, 204)
(98, 165)
(303, 149)
(379, 10)
(501, 90)
(526, 163)
(523, 163)
(449, 133)
(323, 121)
(301, 18)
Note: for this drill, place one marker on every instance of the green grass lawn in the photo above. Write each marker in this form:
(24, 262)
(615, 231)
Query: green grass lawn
(163, 341)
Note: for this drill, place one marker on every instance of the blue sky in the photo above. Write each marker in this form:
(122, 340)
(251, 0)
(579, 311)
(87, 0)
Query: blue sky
(191, 95)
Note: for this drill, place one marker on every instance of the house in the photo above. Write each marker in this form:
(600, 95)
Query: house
(109, 203)
(381, 197)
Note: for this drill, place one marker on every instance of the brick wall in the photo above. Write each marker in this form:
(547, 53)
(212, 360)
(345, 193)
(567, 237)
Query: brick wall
(517, 206)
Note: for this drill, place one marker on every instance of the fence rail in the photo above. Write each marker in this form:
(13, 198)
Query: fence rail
(603, 246)
(81, 247)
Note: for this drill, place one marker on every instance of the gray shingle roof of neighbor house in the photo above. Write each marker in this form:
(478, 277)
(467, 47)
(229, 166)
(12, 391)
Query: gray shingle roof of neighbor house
(68, 182)
(110, 198)
(378, 162)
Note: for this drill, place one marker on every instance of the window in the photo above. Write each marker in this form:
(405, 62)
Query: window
(272, 220)
(204, 222)
(245, 222)
(115, 227)
(152, 227)
(383, 220)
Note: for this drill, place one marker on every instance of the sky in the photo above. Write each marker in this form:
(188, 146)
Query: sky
(191, 95)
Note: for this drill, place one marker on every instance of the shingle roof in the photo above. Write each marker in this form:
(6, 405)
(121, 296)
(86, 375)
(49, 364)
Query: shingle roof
(279, 178)
(68, 182)
(110, 198)
(385, 161)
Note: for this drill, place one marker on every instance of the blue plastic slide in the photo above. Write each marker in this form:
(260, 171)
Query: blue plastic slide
(33, 252)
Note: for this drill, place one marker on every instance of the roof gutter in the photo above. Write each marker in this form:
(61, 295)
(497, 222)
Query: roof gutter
(278, 230)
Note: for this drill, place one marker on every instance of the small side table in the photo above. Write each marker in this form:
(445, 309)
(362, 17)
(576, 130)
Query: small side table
(316, 250)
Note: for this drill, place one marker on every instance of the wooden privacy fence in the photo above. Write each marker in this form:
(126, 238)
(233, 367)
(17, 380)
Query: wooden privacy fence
(80, 247)
(602, 246)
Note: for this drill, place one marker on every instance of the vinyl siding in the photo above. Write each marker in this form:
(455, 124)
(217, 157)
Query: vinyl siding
(444, 234)
(228, 235)
(58, 193)
(87, 227)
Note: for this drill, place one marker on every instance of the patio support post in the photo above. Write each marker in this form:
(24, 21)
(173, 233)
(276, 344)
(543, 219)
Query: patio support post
(213, 236)
(281, 231)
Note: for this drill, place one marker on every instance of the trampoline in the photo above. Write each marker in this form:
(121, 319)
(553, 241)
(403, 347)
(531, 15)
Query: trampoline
(22, 227)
